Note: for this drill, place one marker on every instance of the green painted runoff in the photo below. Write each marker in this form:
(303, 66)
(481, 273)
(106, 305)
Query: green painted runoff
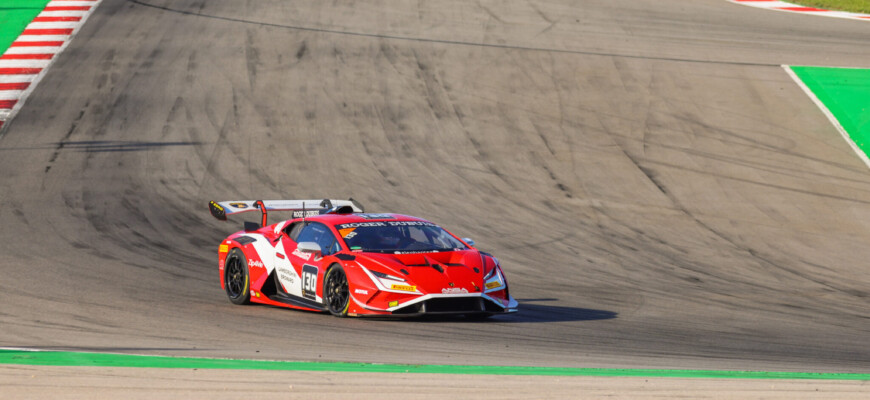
(846, 93)
(81, 359)
(14, 17)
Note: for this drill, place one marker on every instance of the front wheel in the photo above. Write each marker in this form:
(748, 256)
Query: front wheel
(236, 280)
(335, 292)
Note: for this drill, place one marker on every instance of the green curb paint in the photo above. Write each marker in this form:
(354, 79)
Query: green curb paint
(14, 17)
(80, 359)
(846, 94)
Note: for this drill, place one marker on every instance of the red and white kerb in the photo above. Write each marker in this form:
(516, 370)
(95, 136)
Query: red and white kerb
(789, 7)
(28, 58)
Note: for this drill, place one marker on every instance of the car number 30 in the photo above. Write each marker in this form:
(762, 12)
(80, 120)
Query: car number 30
(309, 282)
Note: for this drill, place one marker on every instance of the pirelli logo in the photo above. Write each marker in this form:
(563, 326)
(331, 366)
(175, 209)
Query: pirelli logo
(404, 288)
(223, 248)
(493, 285)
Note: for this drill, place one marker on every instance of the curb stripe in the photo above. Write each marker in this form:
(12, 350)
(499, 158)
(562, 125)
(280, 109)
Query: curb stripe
(57, 19)
(47, 32)
(68, 8)
(62, 13)
(19, 71)
(23, 63)
(17, 78)
(52, 25)
(43, 38)
(27, 59)
(51, 50)
(81, 359)
(802, 9)
(35, 44)
(789, 7)
(14, 86)
(10, 94)
(26, 56)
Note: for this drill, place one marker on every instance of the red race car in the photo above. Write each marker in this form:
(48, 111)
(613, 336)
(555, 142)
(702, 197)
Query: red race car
(332, 256)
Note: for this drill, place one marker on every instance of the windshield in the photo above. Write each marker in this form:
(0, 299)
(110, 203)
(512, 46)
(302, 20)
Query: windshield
(398, 237)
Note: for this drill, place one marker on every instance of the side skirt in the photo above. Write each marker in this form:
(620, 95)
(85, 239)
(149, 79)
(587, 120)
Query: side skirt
(273, 291)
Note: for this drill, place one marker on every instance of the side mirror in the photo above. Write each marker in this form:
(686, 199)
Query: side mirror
(309, 247)
(469, 241)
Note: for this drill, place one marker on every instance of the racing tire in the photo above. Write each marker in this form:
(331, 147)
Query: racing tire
(237, 281)
(336, 294)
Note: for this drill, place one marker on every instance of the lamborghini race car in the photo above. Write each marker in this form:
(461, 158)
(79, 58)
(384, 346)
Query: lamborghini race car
(332, 256)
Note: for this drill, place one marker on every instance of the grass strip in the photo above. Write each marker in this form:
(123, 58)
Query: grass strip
(845, 92)
(14, 17)
(83, 359)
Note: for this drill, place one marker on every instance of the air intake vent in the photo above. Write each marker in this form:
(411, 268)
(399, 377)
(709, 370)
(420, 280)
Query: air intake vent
(454, 305)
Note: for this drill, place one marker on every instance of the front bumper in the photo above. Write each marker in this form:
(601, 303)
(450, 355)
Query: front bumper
(448, 304)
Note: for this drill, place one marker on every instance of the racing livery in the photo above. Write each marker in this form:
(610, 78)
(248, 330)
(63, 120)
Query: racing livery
(332, 256)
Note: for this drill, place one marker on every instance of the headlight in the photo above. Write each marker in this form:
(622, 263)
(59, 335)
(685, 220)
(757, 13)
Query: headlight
(386, 276)
(494, 280)
(492, 271)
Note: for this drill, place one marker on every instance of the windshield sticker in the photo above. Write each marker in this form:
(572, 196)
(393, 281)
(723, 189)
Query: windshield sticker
(410, 223)
(342, 227)
(347, 233)
(360, 224)
(376, 216)
(307, 213)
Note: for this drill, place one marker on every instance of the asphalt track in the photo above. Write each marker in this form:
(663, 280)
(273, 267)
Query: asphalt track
(660, 192)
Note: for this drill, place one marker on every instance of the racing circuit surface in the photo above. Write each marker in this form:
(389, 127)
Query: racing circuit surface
(660, 193)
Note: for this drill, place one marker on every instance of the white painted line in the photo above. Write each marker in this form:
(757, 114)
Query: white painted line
(53, 25)
(24, 63)
(828, 114)
(17, 78)
(42, 38)
(10, 94)
(33, 50)
(62, 14)
(18, 349)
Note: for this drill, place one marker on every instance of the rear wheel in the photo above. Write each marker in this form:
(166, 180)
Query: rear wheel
(336, 294)
(236, 280)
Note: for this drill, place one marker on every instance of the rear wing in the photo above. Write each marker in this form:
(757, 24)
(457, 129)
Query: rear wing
(300, 208)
